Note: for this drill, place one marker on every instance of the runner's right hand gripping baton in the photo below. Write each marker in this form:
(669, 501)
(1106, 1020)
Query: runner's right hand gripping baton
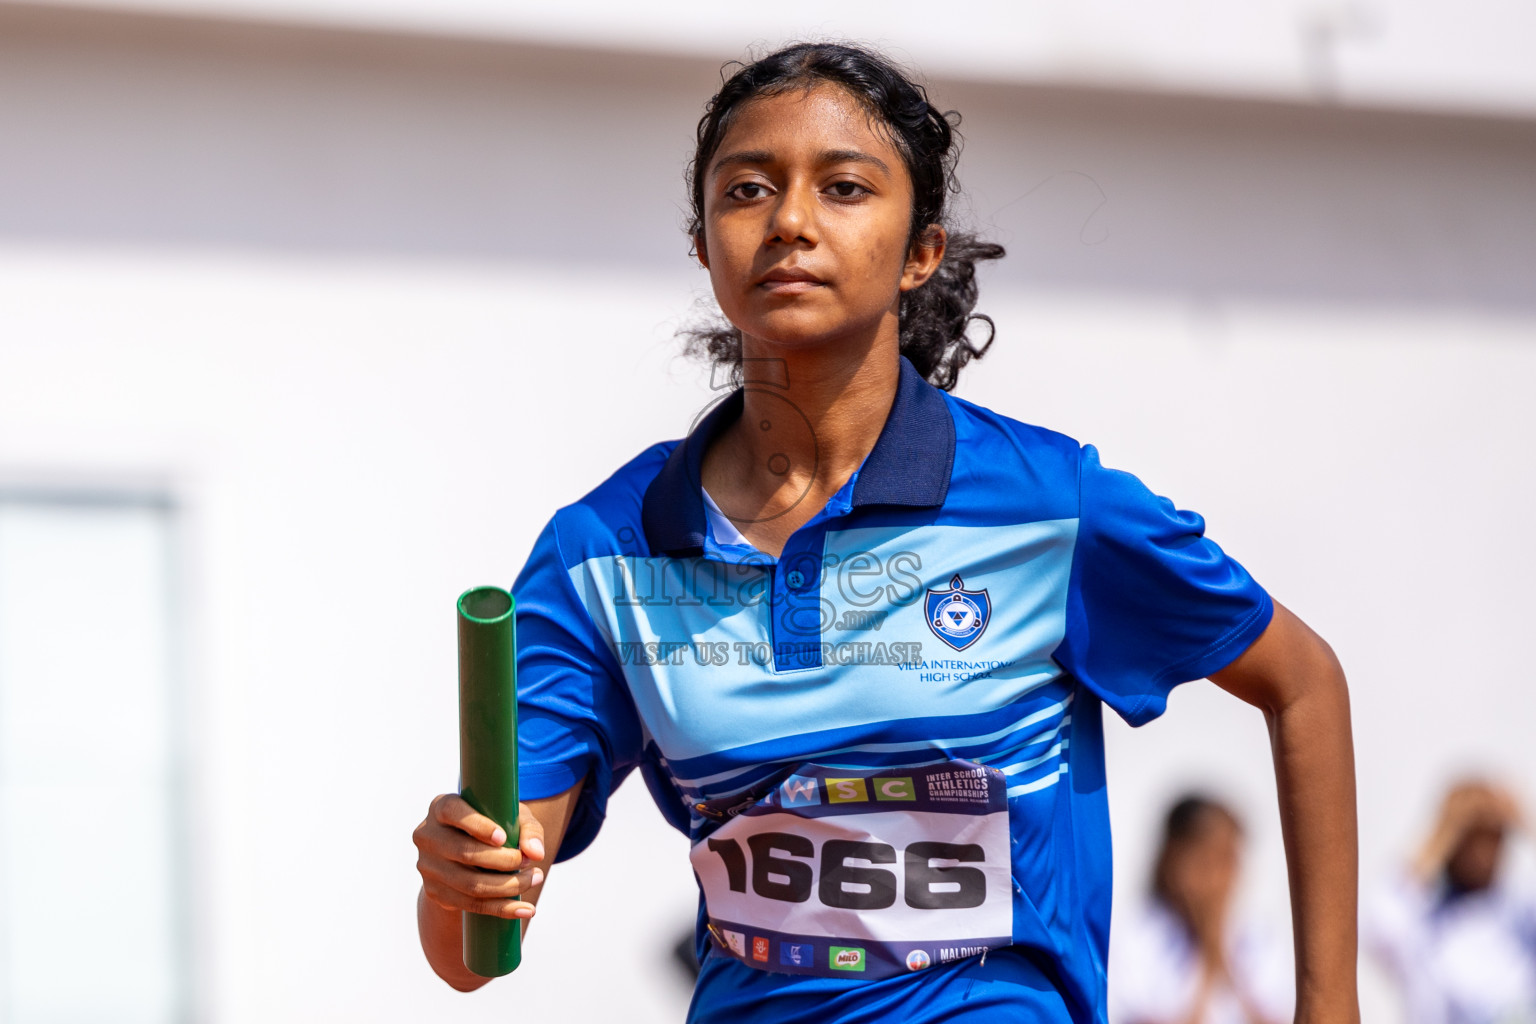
(488, 754)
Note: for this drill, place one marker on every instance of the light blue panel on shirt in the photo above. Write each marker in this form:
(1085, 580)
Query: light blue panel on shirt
(873, 592)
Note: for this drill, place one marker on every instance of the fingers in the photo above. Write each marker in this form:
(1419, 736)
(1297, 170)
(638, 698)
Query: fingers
(464, 867)
(452, 899)
(530, 838)
(461, 849)
(485, 885)
(481, 892)
(452, 810)
(440, 837)
(1507, 807)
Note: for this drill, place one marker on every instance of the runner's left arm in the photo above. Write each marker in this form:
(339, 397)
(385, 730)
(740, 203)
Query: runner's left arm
(1292, 675)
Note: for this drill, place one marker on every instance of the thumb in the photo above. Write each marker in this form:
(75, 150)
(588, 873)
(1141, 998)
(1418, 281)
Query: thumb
(530, 837)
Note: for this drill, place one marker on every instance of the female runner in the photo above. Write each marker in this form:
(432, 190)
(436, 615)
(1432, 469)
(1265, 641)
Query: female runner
(856, 633)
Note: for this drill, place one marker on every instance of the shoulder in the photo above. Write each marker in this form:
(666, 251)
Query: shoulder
(606, 520)
(986, 427)
(998, 454)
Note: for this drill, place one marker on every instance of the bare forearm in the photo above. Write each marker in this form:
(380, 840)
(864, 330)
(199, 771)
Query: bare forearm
(1293, 676)
(1315, 775)
(442, 940)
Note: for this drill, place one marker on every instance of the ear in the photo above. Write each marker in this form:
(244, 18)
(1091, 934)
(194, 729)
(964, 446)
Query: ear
(924, 257)
(699, 252)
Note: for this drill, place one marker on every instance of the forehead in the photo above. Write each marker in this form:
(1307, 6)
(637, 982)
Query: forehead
(1215, 829)
(804, 121)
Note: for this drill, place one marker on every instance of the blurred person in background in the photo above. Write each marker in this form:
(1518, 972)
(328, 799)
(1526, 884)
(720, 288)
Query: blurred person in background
(1182, 960)
(1454, 929)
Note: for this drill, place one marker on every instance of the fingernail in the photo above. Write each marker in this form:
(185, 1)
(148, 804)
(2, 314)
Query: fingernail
(535, 848)
(499, 837)
(535, 877)
(523, 911)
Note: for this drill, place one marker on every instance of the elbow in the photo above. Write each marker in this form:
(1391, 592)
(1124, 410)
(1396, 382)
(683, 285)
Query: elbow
(461, 979)
(1287, 671)
(1329, 673)
(1315, 688)
(1318, 676)
(1316, 691)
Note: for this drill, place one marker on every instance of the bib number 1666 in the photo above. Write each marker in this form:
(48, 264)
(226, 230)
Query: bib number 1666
(784, 867)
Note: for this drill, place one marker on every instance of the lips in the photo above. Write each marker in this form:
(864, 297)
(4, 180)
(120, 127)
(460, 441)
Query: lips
(789, 280)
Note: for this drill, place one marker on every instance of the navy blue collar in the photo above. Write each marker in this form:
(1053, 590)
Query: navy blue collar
(910, 464)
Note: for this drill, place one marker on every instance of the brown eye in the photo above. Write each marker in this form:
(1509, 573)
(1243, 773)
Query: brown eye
(747, 190)
(847, 189)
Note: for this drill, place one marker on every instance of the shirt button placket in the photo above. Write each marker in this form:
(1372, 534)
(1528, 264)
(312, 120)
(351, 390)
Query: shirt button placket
(797, 617)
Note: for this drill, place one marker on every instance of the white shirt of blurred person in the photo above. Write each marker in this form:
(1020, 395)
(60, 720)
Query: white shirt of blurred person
(1456, 932)
(1181, 961)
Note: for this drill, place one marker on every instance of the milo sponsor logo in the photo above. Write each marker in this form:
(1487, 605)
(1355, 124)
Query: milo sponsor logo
(845, 958)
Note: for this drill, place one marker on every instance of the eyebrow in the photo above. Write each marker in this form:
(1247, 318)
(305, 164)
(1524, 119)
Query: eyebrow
(826, 156)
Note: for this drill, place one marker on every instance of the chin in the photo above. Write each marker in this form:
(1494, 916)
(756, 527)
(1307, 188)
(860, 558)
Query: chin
(791, 331)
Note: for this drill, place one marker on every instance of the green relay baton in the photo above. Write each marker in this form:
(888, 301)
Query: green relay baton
(488, 754)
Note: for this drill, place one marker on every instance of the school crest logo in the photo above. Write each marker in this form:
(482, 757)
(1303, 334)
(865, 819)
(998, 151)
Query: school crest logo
(958, 616)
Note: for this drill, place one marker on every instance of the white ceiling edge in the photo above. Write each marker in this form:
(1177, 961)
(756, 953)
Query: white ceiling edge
(1420, 55)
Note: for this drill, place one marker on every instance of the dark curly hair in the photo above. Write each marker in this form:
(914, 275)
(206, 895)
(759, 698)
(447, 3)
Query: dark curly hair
(935, 318)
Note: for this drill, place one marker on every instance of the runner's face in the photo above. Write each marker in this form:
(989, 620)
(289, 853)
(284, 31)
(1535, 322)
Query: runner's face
(806, 212)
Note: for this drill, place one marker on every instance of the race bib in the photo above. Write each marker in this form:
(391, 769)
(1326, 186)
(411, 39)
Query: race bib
(860, 873)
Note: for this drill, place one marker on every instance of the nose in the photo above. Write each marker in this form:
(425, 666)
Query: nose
(794, 217)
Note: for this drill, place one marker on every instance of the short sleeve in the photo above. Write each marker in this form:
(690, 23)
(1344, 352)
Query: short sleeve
(575, 716)
(1152, 602)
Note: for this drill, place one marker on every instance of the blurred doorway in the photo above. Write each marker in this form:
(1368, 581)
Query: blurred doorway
(93, 880)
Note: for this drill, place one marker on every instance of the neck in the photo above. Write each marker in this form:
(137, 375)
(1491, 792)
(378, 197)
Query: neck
(825, 408)
(809, 418)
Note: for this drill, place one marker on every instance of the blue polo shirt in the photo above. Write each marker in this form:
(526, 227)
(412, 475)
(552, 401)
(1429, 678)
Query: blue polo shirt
(931, 651)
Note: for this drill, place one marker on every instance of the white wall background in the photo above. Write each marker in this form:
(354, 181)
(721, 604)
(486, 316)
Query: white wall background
(371, 306)
(90, 758)
(1469, 55)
